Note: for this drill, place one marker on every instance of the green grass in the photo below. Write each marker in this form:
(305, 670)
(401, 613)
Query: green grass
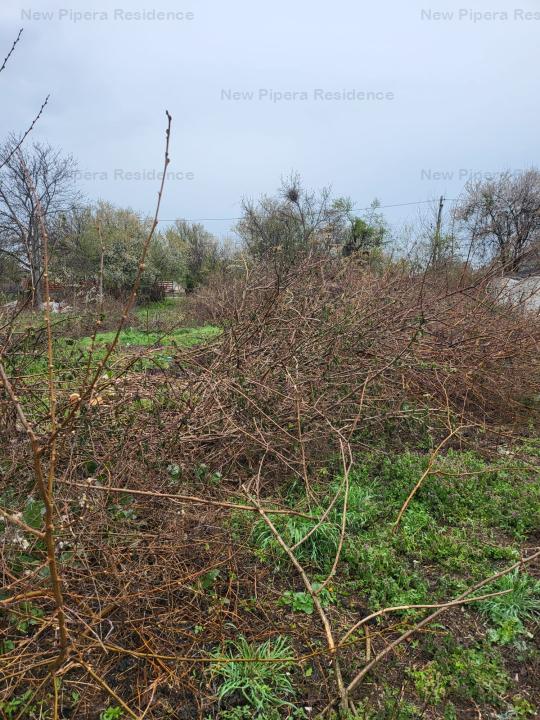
(183, 337)
(466, 522)
(510, 613)
(161, 311)
(72, 354)
(458, 673)
(255, 675)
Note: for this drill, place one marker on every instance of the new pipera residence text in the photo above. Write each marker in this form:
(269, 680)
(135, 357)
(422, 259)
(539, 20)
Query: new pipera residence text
(320, 95)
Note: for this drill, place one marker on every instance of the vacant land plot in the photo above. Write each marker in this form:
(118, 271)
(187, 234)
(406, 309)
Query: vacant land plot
(323, 498)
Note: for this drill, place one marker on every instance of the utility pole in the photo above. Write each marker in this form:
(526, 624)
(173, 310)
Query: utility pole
(437, 249)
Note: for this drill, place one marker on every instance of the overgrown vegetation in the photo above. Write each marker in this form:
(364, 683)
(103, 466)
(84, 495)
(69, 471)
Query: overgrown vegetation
(320, 499)
(259, 494)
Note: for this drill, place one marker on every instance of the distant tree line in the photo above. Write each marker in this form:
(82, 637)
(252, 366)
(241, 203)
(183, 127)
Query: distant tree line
(99, 242)
(497, 221)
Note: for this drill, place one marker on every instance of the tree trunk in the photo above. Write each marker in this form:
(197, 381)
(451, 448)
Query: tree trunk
(37, 275)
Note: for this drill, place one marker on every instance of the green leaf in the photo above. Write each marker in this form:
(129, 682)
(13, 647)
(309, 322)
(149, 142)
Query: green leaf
(208, 580)
(33, 513)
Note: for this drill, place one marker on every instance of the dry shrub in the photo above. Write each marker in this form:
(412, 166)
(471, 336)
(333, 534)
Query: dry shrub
(329, 349)
(323, 354)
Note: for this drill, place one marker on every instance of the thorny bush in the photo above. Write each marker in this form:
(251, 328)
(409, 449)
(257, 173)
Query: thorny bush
(151, 461)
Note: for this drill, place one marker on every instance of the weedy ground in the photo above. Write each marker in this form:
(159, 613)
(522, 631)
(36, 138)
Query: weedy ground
(181, 601)
(470, 518)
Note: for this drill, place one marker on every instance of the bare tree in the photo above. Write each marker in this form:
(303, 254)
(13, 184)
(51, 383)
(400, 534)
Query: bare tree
(502, 216)
(292, 221)
(51, 174)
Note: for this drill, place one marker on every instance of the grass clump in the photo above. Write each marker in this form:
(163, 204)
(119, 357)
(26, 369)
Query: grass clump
(316, 552)
(511, 611)
(319, 549)
(258, 675)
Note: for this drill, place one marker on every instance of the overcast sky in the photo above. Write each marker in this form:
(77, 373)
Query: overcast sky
(401, 100)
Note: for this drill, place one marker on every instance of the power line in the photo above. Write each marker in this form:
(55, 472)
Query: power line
(357, 209)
